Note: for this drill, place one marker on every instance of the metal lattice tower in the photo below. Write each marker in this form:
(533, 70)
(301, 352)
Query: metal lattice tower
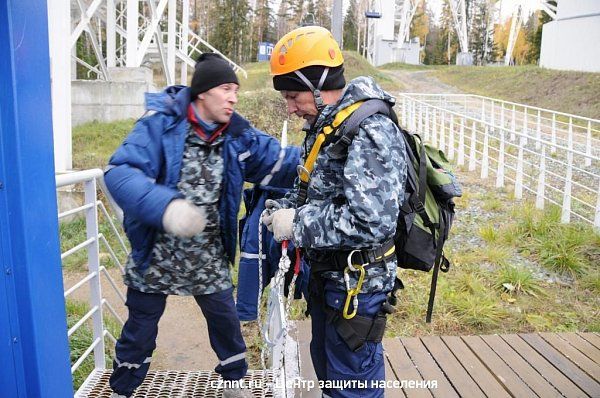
(459, 17)
(407, 12)
(134, 35)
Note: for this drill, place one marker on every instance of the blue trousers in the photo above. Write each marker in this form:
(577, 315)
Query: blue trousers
(331, 357)
(133, 351)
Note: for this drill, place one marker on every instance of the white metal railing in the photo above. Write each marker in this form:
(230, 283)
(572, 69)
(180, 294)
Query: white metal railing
(554, 156)
(92, 180)
(193, 45)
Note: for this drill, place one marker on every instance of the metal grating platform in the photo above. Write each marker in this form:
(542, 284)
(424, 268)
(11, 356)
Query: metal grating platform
(178, 384)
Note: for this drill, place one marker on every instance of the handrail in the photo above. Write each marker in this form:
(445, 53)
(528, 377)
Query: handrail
(77, 177)
(518, 133)
(500, 145)
(92, 181)
(500, 100)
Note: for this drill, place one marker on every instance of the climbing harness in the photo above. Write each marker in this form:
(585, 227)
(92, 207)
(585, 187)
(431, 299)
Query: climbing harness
(305, 171)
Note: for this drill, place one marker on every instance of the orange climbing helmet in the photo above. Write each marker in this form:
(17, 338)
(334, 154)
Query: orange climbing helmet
(305, 46)
(308, 58)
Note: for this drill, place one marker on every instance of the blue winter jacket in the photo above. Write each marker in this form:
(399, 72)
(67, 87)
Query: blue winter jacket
(247, 291)
(143, 173)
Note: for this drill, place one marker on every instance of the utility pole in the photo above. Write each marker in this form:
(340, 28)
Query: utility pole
(336, 21)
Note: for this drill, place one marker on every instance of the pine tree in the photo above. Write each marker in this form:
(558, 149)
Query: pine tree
(535, 39)
(351, 27)
(480, 40)
(311, 10)
(296, 13)
(262, 20)
(323, 13)
(283, 15)
(232, 29)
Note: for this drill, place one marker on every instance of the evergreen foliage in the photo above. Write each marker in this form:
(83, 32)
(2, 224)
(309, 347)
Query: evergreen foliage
(350, 41)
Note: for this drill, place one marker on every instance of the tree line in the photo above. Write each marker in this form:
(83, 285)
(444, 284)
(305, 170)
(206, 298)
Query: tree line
(235, 27)
(488, 41)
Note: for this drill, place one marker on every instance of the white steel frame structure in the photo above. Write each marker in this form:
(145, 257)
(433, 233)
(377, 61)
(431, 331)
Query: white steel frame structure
(407, 12)
(133, 32)
(459, 17)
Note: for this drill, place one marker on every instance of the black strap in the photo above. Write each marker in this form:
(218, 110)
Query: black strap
(436, 267)
(302, 194)
(337, 260)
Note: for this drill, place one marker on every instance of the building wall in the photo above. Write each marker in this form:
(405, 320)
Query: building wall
(110, 101)
(570, 9)
(571, 41)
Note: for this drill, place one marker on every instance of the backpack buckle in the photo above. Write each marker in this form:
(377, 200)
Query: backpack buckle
(419, 207)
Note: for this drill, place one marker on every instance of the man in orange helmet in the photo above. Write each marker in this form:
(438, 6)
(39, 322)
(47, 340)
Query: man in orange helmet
(342, 211)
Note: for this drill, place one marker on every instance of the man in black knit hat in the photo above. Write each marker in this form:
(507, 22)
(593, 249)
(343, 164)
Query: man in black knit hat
(178, 177)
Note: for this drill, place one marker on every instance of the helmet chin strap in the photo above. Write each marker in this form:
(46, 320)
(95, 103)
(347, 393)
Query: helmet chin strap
(316, 91)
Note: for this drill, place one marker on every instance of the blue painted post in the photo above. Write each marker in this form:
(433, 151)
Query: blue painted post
(34, 348)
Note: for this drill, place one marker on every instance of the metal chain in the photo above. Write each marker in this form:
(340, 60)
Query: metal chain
(260, 283)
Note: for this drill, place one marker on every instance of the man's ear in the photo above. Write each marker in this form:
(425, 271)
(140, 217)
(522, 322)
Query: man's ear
(200, 96)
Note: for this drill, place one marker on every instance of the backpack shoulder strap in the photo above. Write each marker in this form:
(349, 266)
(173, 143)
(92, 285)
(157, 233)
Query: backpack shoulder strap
(348, 130)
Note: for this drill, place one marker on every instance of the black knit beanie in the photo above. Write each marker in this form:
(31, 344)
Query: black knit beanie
(211, 70)
(291, 81)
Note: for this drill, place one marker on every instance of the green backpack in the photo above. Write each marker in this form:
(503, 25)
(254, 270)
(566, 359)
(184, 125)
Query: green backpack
(428, 210)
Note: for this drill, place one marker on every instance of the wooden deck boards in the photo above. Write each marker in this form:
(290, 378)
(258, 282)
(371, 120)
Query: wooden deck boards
(536, 364)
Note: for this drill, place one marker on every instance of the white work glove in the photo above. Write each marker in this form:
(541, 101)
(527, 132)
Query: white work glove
(184, 219)
(272, 206)
(283, 224)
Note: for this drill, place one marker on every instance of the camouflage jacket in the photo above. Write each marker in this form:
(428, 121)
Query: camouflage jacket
(197, 265)
(354, 200)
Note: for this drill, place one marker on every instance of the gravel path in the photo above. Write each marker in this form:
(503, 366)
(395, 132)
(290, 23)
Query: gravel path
(421, 81)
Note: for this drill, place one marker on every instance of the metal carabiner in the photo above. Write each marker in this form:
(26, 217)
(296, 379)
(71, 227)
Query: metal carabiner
(303, 173)
(354, 292)
(349, 261)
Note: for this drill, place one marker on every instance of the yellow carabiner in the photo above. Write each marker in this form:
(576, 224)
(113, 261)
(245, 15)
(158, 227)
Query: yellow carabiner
(352, 293)
(346, 306)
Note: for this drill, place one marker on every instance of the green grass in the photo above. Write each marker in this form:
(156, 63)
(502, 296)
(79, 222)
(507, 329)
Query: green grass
(354, 65)
(514, 280)
(489, 233)
(564, 256)
(81, 339)
(259, 77)
(402, 66)
(487, 290)
(73, 233)
(591, 281)
(94, 142)
(570, 249)
(480, 312)
(566, 91)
